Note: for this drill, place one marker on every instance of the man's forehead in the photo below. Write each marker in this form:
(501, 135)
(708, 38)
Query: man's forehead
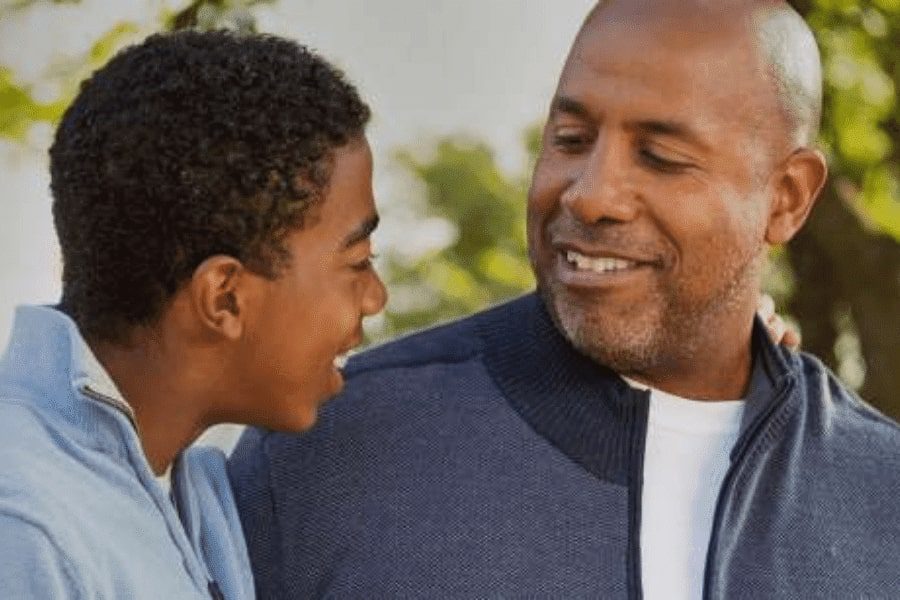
(764, 52)
(685, 31)
(656, 23)
(646, 67)
(698, 12)
(690, 74)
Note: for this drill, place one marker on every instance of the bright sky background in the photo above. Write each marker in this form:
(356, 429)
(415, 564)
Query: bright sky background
(480, 67)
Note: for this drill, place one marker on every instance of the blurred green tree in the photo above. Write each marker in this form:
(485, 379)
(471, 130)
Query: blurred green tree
(487, 261)
(19, 109)
(846, 261)
(839, 279)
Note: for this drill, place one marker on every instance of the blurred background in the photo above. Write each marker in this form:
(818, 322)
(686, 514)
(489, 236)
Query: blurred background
(459, 89)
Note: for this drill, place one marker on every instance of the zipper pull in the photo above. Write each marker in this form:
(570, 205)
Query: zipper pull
(214, 591)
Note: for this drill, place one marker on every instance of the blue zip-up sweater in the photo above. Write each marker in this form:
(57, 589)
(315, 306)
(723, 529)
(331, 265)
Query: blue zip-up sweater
(82, 515)
(488, 458)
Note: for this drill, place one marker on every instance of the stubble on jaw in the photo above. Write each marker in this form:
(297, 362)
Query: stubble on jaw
(642, 341)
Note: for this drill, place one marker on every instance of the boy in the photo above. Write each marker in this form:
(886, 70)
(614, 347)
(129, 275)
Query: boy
(213, 202)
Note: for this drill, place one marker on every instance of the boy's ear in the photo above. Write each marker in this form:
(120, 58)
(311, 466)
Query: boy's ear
(799, 181)
(219, 296)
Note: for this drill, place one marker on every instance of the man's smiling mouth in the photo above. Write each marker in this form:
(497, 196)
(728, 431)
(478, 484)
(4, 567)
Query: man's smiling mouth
(601, 264)
(603, 267)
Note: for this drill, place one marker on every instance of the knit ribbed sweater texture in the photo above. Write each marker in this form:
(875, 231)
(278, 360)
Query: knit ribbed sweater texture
(488, 458)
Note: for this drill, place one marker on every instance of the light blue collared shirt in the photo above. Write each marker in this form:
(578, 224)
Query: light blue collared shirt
(81, 513)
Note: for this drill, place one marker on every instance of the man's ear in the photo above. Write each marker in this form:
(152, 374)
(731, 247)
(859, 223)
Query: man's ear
(219, 296)
(799, 181)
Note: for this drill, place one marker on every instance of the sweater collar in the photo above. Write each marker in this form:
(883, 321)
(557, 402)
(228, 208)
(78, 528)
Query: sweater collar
(46, 350)
(583, 408)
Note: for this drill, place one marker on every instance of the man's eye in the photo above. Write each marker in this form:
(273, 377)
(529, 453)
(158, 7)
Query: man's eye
(571, 142)
(659, 163)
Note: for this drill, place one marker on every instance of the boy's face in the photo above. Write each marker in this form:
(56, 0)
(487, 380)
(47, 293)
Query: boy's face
(311, 315)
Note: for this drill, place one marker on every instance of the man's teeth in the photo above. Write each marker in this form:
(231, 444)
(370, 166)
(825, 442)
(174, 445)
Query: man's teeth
(598, 265)
(340, 361)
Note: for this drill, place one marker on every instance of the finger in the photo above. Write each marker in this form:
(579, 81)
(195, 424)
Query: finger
(766, 308)
(777, 330)
(791, 338)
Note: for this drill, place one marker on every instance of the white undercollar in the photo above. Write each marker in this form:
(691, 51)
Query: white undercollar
(684, 414)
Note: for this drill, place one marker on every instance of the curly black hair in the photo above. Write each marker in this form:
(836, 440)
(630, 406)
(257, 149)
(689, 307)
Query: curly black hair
(182, 147)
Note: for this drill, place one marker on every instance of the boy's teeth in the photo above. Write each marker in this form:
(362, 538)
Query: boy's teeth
(598, 265)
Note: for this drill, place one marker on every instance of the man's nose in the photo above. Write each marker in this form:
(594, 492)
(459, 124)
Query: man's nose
(601, 189)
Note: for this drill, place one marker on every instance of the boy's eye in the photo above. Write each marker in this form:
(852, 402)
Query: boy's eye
(365, 264)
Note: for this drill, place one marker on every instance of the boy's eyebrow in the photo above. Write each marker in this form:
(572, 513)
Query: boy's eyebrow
(360, 233)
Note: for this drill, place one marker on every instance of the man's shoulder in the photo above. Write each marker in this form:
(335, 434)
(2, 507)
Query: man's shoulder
(836, 412)
(410, 386)
(452, 342)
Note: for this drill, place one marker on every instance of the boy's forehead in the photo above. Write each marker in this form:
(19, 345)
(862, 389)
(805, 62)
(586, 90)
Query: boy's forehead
(346, 210)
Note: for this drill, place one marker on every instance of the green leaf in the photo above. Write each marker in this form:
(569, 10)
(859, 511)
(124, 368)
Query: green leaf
(889, 6)
(860, 142)
(19, 111)
(111, 41)
(505, 268)
(17, 108)
(881, 198)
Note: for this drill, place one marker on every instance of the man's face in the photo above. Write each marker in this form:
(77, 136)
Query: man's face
(647, 208)
(312, 313)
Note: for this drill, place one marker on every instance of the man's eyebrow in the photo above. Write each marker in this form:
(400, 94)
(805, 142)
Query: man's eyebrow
(674, 129)
(363, 231)
(565, 104)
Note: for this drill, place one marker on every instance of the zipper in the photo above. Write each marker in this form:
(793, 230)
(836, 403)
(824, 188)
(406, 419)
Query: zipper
(120, 406)
(215, 591)
(212, 586)
(635, 493)
(745, 445)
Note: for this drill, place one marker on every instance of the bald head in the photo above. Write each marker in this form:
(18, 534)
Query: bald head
(788, 47)
(785, 45)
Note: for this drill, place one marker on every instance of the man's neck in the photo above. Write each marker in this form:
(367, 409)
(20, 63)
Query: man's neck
(720, 371)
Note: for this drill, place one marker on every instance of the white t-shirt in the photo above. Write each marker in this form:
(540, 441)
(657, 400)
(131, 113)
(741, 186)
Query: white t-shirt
(685, 461)
(165, 481)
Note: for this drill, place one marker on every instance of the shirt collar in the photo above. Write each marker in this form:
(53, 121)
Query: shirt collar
(46, 350)
(584, 408)
(91, 379)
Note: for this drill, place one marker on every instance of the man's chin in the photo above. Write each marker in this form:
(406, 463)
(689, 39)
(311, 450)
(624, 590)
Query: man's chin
(610, 350)
(623, 343)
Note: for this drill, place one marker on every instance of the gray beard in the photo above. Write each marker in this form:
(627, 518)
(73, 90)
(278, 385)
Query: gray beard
(642, 341)
(626, 344)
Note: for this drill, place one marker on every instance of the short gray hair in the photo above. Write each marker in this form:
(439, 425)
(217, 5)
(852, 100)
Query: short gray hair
(789, 49)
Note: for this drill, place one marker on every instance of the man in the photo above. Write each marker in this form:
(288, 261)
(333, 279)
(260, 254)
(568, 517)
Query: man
(213, 200)
(629, 430)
